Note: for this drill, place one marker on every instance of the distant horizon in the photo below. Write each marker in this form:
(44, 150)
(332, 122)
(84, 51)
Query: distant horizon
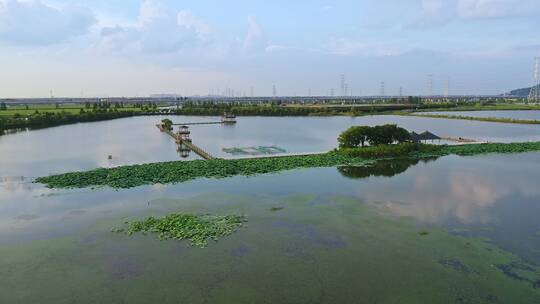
(252, 97)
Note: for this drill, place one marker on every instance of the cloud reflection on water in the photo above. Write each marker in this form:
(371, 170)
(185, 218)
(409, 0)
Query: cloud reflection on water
(465, 190)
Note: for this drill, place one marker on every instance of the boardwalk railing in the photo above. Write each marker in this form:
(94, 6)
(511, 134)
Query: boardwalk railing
(198, 150)
(190, 145)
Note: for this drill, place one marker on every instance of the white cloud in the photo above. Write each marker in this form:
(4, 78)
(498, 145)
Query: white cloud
(150, 10)
(158, 31)
(435, 13)
(36, 23)
(345, 46)
(441, 12)
(188, 20)
(255, 39)
(482, 9)
(327, 8)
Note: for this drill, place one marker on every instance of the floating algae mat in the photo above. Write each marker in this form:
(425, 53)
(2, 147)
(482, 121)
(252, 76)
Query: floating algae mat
(178, 226)
(260, 150)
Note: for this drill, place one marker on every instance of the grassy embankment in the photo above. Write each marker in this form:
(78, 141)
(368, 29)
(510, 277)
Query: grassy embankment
(476, 107)
(487, 119)
(181, 171)
(488, 107)
(49, 108)
(42, 116)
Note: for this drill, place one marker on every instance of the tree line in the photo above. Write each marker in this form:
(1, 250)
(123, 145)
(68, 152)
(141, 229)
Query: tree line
(119, 105)
(281, 110)
(105, 110)
(50, 119)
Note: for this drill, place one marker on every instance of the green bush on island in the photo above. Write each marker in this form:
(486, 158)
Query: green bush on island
(378, 135)
(198, 229)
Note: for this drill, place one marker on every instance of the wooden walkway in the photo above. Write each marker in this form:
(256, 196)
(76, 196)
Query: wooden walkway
(199, 123)
(205, 155)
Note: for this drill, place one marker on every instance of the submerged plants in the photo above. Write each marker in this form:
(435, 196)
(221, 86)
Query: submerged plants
(198, 229)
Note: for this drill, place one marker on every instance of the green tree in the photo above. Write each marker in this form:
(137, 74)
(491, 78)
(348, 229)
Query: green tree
(415, 100)
(379, 135)
(3, 106)
(354, 137)
(347, 138)
(167, 124)
(401, 135)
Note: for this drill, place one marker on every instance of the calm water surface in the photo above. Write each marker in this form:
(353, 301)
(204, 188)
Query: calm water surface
(447, 230)
(137, 140)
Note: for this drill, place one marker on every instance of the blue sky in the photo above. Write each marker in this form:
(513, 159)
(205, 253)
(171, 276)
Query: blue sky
(129, 48)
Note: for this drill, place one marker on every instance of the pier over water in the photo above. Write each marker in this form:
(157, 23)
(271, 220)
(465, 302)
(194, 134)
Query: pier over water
(182, 136)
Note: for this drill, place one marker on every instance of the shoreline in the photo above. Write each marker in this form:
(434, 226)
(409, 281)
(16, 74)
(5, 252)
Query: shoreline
(39, 118)
(484, 119)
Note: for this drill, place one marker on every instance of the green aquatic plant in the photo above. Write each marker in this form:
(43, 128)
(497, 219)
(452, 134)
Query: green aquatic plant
(198, 229)
(182, 171)
(477, 149)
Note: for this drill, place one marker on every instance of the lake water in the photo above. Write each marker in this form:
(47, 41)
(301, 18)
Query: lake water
(137, 140)
(447, 230)
(524, 115)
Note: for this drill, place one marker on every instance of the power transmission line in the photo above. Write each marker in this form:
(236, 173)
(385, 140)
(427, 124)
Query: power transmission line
(534, 93)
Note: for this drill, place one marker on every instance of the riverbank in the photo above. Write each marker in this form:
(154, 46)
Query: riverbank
(182, 171)
(44, 116)
(486, 107)
(486, 119)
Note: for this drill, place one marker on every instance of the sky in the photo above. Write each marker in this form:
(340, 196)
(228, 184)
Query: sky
(90, 48)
